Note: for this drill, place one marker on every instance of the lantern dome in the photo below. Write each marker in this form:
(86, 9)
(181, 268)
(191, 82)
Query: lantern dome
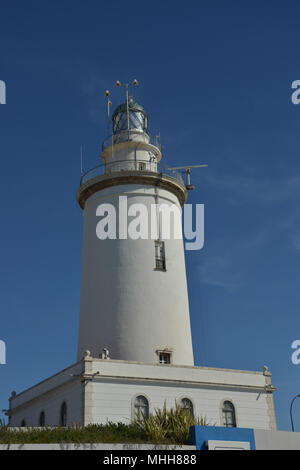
(136, 119)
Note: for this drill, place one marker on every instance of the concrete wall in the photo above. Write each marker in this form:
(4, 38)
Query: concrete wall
(48, 396)
(111, 395)
(258, 439)
(126, 304)
(279, 440)
(112, 447)
(200, 375)
(108, 389)
(114, 401)
(128, 155)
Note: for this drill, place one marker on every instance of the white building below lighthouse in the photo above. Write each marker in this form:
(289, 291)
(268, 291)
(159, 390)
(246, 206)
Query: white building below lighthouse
(135, 345)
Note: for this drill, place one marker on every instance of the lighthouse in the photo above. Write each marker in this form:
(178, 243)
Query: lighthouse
(135, 350)
(134, 298)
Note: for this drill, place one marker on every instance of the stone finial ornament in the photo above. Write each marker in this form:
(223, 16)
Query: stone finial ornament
(266, 371)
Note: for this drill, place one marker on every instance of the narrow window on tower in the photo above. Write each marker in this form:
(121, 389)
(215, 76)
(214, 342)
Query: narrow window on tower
(160, 256)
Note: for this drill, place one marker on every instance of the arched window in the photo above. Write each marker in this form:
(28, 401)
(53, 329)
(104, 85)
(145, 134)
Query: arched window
(141, 407)
(23, 423)
(63, 414)
(42, 419)
(228, 413)
(187, 405)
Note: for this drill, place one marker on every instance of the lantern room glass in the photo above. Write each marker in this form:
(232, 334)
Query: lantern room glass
(137, 118)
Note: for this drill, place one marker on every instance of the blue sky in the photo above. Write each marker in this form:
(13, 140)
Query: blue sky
(215, 78)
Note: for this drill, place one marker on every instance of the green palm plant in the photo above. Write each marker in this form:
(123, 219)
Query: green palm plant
(154, 427)
(165, 426)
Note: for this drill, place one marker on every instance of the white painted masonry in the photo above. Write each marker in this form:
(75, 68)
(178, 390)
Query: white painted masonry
(48, 396)
(127, 306)
(98, 390)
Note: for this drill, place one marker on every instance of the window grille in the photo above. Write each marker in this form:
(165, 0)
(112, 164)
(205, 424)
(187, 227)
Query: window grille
(141, 407)
(228, 411)
(165, 358)
(187, 405)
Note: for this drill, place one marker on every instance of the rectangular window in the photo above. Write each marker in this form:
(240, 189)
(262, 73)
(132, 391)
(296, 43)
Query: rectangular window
(164, 358)
(160, 257)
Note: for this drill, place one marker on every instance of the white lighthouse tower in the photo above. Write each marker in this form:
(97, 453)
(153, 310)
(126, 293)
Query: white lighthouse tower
(134, 299)
(134, 307)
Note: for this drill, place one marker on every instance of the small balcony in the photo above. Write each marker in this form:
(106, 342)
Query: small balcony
(130, 135)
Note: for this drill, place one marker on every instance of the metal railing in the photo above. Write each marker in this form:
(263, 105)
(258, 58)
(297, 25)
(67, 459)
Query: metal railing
(130, 165)
(130, 135)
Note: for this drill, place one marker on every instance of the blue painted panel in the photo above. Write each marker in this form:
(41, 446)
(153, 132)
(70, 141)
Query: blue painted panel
(200, 434)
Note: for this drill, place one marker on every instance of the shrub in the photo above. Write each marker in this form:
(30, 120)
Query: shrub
(94, 433)
(162, 427)
(171, 425)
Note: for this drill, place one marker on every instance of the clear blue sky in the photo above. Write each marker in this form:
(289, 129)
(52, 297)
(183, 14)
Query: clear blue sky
(215, 78)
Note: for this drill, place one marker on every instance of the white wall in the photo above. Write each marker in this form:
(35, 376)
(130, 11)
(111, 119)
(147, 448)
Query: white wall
(48, 396)
(126, 305)
(113, 401)
(50, 404)
(111, 387)
(93, 446)
(280, 440)
(111, 395)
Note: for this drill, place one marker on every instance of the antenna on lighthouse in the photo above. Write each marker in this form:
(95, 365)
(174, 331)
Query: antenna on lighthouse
(108, 104)
(127, 85)
(187, 171)
(81, 160)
